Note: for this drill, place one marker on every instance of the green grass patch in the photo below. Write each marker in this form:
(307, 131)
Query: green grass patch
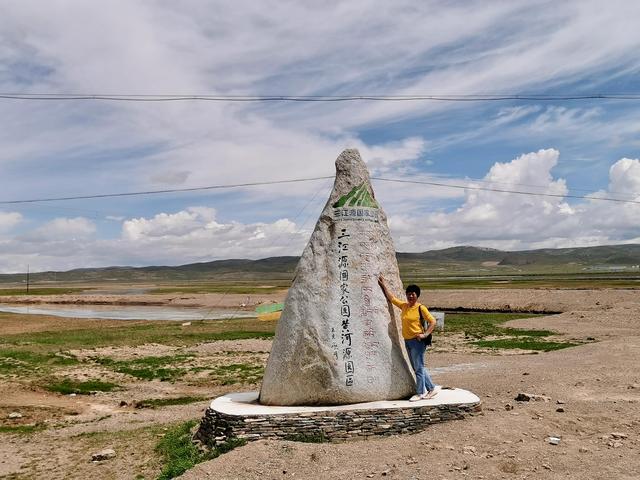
(511, 279)
(180, 454)
(139, 333)
(166, 402)
(20, 361)
(525, 343)
(22, 429)
(39, 291)
(68, 386)
(237, 373)
(241, 335)
(148, 368)
(481, 325)
(516, 332)
(238, 289)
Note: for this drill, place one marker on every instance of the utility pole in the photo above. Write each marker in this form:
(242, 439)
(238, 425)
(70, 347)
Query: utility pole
(27, 278)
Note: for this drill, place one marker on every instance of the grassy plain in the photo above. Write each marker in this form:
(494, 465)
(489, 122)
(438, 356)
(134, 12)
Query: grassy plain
(133, 333)
(445, 277)
(40, 291)
(99, 376)
(91, 375)
(82, 385)
(247, 289)
(523, 278)
(122, 363)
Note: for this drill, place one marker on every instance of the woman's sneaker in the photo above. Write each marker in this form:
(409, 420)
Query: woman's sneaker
(416, 398)
(431, 394)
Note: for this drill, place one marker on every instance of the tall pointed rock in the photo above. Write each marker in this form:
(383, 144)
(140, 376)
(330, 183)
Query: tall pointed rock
(338, 339)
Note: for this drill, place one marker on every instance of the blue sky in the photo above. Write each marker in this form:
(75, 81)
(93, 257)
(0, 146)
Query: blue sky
(63, 148)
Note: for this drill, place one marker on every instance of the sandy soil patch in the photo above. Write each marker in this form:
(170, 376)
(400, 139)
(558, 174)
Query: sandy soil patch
(209, 300)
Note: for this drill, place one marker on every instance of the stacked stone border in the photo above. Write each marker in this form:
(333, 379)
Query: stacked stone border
(333, 426)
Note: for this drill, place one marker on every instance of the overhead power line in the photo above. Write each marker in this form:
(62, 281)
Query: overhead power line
(275, 182)
(499, 190)
(318, 98)
(157, 192)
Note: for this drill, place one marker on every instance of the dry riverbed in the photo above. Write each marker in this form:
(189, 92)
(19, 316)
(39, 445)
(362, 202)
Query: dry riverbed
(593, 391)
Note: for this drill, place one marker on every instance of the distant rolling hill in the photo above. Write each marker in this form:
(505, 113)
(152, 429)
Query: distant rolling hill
(602, 255)
(587, 256)
(453, 260)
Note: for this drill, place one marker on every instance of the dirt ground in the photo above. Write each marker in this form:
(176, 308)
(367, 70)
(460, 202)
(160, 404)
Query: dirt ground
(594, 408)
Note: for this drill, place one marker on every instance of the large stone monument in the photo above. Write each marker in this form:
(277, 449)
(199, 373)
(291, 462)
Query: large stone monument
(338, 340)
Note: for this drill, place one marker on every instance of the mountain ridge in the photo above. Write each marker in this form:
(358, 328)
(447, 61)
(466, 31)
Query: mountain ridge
(282, 267)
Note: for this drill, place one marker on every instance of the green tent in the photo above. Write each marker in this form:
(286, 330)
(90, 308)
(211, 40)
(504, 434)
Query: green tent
(269, 308)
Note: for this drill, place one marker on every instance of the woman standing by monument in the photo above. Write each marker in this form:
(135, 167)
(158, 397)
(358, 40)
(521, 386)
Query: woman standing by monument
(415, 337)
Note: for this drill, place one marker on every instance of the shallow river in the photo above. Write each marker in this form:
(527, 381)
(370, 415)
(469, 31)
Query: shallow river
(126, 312)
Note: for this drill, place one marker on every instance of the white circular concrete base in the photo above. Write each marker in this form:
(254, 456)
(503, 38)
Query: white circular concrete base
(246, 403)
(239, 415)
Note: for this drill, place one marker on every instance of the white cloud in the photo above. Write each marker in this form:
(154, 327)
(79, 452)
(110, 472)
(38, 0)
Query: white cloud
(8, 220)
(389, 154)
(624, 177)
(195, 235)
(567, 120)
(171, 177)
(511, 221)
(512, 114)
(192, 235)
(61, 243)
(528, 170)
(63, 229)
(165, 225)
(538, 124)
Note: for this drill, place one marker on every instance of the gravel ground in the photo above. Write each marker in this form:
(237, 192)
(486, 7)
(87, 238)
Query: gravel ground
(594, 406)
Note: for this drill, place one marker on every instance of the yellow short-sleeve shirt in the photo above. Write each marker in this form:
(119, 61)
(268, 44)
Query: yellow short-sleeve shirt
(410, 316)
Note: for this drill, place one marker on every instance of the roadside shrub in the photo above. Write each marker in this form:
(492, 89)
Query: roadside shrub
(180, 453)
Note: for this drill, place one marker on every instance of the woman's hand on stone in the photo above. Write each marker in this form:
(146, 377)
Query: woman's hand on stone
(384, 288)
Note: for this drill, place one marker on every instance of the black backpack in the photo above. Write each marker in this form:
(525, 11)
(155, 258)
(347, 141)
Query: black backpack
(424, 324)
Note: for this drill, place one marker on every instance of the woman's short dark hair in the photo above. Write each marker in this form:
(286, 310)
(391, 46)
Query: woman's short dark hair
(414, 288)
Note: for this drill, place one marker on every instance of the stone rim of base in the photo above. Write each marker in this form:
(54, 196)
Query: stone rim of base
(246, 403)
